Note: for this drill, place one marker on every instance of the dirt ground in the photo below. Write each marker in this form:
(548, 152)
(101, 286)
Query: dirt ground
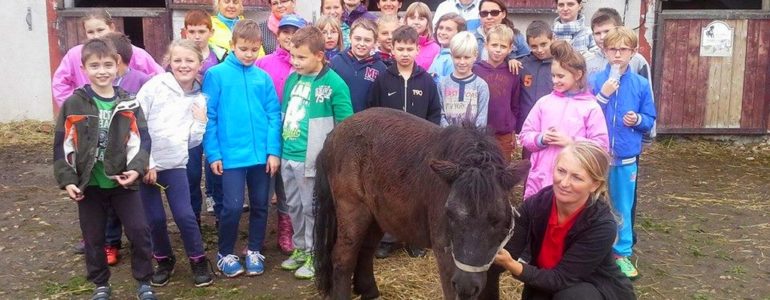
(703, 232)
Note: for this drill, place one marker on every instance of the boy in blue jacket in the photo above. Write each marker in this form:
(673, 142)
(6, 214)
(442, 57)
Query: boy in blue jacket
(627, 103)
(357, 66)
(243, 144)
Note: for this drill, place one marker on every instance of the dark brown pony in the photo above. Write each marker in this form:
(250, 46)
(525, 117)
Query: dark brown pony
(446, 189)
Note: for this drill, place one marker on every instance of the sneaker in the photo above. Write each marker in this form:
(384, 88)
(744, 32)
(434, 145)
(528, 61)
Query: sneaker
(307, 270)
(163, 271)
(295, 261)
(285, 233)
(627, 267)
(415, 251)
(385, 249)
(79, 247)
(113, 255)
(255, 263)
(102, 292)
(201, 274)
(230, 265)
(209, 205)
(144, 292)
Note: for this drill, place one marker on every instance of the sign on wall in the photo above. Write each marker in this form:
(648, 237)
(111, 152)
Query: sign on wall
(716, 40)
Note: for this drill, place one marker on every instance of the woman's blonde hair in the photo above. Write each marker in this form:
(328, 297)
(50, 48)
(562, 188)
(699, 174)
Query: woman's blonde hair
(422, 10)
(595, 161)
(334, 23)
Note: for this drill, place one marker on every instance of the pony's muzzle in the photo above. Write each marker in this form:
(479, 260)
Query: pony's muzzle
(467, 285)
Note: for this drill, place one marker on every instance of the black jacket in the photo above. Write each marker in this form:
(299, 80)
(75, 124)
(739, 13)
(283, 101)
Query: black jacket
(417, 96)
(588, 249)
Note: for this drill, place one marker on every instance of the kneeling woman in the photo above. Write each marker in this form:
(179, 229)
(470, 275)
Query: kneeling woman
(569, 228)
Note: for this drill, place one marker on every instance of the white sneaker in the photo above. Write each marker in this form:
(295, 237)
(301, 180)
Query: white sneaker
(209, 205)
(307, 270)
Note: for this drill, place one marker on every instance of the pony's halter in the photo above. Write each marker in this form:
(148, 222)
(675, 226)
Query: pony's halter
(484, 268)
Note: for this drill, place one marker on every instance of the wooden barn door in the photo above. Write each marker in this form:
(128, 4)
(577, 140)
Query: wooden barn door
(712, 95)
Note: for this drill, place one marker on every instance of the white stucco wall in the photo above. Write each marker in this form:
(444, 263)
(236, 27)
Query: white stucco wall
(25, 81)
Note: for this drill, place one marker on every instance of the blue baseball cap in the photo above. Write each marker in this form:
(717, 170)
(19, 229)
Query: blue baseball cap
(292, 20)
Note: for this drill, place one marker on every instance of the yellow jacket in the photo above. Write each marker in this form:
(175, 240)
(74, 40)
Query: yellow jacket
(222, 35)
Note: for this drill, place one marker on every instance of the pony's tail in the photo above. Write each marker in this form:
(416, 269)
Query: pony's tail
(325, 227)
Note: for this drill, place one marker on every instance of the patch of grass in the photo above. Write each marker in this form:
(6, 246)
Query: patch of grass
(654, 225)
(216, 293)
(737, 270)
(698, 296)
(696, 251)
(77, 285)
(721, 254)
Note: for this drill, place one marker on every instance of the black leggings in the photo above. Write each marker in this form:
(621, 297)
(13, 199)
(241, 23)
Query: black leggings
(582, 291)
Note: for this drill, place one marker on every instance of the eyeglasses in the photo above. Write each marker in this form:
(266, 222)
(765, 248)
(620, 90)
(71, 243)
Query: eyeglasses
(280, 2)
(494, 13)
(615, 51)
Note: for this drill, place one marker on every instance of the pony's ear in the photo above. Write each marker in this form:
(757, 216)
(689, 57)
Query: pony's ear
(514, 173)
(445, 169)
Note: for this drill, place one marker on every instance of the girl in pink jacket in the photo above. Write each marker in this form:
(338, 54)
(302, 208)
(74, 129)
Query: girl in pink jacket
(418, 16)
(70, 76)
(570, 113)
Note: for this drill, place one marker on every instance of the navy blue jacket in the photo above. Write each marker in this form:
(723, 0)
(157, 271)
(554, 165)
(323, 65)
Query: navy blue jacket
(418, 95)
(358, 74)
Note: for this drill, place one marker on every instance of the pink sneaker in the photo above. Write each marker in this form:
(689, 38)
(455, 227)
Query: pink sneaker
(285, 233)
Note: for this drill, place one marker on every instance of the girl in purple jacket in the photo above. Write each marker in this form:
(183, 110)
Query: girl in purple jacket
(570, 113)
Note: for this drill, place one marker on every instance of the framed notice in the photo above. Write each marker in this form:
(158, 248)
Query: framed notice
(716, 40)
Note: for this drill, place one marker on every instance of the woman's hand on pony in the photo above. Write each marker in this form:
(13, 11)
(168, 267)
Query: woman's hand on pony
(505, 260)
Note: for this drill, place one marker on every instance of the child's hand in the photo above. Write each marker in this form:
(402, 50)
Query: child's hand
(127, 178)
(151, 177)
(555, 137)
(199, 113)
(514, 66)
(610, 86)
(216, 167)
(630, 119)
(74, 192)
(273, 165)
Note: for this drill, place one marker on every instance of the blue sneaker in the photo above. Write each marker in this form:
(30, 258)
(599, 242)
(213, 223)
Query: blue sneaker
(255, 263)
(229, 265)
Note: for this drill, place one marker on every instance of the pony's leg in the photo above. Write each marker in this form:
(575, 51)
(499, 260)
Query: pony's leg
(491, 290)
(363, 279)
(353, 221)
(446, 269)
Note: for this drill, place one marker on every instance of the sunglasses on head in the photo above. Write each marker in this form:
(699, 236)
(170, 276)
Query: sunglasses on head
(494, 13)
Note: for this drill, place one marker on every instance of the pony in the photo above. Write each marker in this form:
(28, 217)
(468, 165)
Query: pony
(445, 189)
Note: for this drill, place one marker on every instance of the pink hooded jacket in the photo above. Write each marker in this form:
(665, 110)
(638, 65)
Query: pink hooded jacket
(278, 66)
(429, 49)
(579, 116)
(69, 75)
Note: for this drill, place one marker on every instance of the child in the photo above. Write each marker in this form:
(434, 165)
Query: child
(466, 9)
(358, 67)
(567, 115)
(278, 66)
(405, 86)
(176, 119)
(389, 7)
(464, 96)
(316, 99)
(570, 26)
(504, 86)
(334, 9)
(448, 26)
(385, 27)
(100, 165)
(198, 28)
(332, 33)
(269, 27)
(535, 73)
(127, 79)
(629, 112)
(418, 16)
(70, 75)
(242, 143)
(602, 22)
(355, 9)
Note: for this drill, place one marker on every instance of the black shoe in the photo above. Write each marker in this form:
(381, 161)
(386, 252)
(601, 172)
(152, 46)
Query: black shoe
(164, 271)
(201, 274)
(415, 251)
(385, 249)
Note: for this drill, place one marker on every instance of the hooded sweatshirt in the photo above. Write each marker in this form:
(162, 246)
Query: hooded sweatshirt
(358, 74)
(578, 116)
(536, 82)
(429, 49)
(278, 66)
(348, 17)
(442, 65)
(70, 76)
(244, 125)
(504, 91)
(173, 130)
(418, 95)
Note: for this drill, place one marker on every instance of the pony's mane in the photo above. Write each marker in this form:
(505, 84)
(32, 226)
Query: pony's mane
(479, 158)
